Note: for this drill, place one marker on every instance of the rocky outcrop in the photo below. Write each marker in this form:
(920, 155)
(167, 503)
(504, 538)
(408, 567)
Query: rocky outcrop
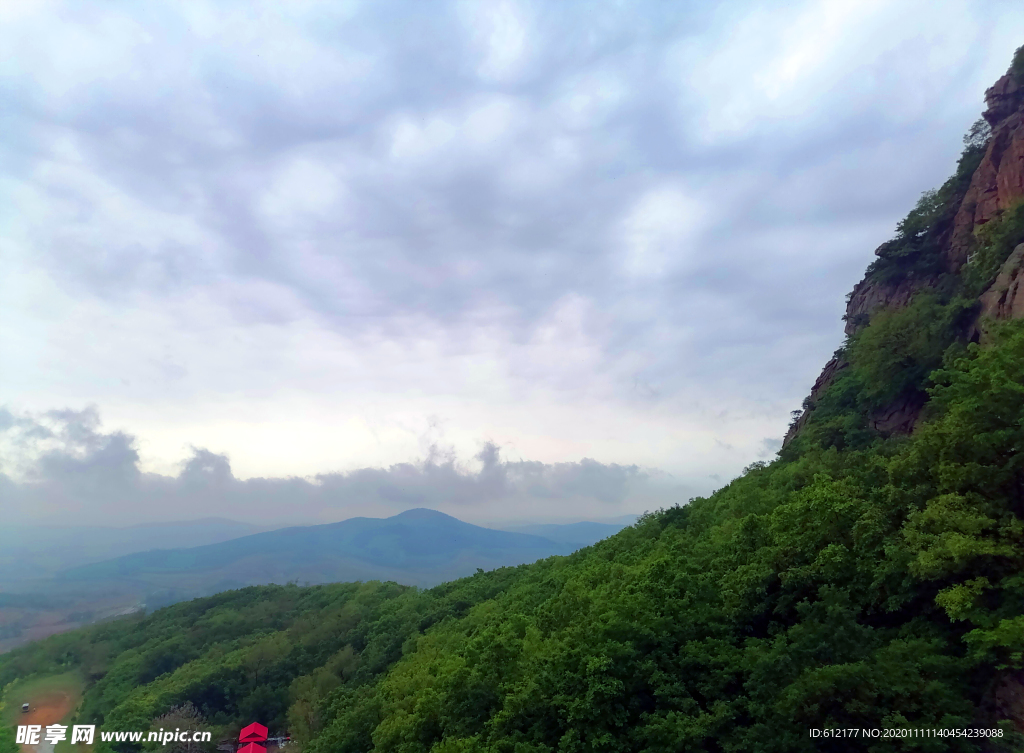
(999, 180)
(1003, 99)
(1005, 297)
(823, 382)
(869, 295)
(900, 416)
(996, 185)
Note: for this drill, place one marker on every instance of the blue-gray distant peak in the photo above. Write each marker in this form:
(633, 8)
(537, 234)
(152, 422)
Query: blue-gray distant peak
(422, 513)
(416, 547)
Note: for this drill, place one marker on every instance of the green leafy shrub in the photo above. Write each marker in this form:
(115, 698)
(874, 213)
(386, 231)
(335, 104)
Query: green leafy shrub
(894, 354)
(1017, 66)
(995, 241)
(917, 248)
(836, 420)
(7, 740)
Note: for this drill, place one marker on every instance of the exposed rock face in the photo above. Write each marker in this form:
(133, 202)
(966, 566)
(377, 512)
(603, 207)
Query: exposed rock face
(1003, 99)
(867, 297)
(999, 179)
(828, 375)
(900, 416)
(1005, 298)
(996, 185)
(870, 295)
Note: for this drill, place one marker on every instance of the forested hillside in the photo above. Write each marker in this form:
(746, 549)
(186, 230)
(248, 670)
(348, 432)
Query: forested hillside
(871, 577)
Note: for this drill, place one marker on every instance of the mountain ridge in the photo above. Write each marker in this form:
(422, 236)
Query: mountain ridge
(418, 546)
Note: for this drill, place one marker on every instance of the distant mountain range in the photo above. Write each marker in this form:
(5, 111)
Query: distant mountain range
(32, 552)
(580, 534)
(53, 579)
(418, 547)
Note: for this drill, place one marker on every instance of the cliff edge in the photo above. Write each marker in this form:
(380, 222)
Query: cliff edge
(962, 249)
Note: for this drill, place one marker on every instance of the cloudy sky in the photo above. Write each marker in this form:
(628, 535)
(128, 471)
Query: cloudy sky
(504, 259)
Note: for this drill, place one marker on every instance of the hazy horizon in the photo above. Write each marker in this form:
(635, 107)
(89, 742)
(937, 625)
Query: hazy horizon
(498, 523)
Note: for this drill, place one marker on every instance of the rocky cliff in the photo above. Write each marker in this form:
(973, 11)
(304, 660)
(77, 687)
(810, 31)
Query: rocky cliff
(942, 248)
(999, 180)
(1004, 299)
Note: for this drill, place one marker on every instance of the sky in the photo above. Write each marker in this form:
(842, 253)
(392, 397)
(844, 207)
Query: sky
(510, 260)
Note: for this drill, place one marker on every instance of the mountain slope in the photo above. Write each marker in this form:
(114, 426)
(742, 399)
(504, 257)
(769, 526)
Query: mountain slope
(417, 547)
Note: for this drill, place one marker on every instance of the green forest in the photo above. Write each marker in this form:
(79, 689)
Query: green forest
(857, 581)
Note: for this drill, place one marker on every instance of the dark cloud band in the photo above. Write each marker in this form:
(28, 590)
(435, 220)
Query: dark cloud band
(61, 466)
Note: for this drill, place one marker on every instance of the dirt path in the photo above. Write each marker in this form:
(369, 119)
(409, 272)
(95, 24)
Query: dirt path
(46, 708)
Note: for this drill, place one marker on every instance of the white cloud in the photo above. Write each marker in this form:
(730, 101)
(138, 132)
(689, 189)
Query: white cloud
(302, 188)
(800, 65)
(660, 230)
(501, 33)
